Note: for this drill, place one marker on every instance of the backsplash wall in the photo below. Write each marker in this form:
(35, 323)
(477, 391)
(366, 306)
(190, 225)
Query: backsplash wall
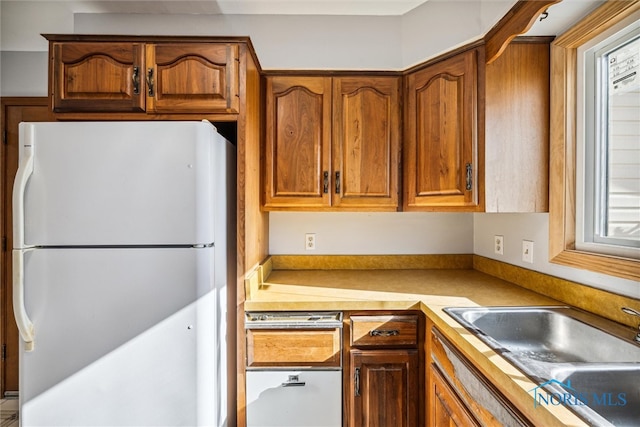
(373, 233)
(354, 233)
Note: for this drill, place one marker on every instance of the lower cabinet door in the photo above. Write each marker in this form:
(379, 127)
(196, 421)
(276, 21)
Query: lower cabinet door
(384, 388)
(446, 410)
(294, 398)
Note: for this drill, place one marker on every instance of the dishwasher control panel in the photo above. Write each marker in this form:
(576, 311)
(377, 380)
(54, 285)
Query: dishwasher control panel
(290, 320)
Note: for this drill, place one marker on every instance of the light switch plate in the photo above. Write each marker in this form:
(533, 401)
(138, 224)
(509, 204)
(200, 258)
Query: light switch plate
(527, 251)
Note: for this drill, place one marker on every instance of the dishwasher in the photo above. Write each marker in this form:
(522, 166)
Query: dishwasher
(294, 369)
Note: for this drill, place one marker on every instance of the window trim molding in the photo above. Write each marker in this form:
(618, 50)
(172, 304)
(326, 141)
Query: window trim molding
(562, 168)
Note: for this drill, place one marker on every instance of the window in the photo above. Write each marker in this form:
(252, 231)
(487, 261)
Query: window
(608, 144)
(593, 162)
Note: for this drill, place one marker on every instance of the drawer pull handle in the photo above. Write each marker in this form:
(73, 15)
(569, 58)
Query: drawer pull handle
(384, 332)
(294, 381)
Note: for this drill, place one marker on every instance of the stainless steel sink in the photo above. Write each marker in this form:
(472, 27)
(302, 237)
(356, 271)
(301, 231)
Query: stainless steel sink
(612, 393)
(549, 334)
(566, 351)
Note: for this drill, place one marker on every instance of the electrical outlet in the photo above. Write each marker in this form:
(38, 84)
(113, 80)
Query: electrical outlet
(310, 241)
(498, 244)
(527, 251)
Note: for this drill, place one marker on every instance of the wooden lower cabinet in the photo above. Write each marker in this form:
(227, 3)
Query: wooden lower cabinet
(446, 409)
(384, 369)
(384, 388)
(459, 395)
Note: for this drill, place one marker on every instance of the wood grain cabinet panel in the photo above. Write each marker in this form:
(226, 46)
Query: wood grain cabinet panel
(446, 408)
(517, 128)
(294, 347)
(441, 135)
(196, 77)
(384, 331)
(384, 388)
(97, 77)
(458, 394)
(332, 143)
(298, 142)
(366, 140)
(145, 77)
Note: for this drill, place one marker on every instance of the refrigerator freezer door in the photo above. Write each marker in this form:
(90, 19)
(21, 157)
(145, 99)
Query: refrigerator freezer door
(122, 183)
(123, 337)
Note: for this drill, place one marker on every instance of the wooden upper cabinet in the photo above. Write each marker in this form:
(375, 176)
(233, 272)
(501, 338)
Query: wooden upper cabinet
(97, 77)
(332, 143)
(148, 76)
(366, 141)
(298, 136)
(441, 138)
(192, 77)
(517, 128)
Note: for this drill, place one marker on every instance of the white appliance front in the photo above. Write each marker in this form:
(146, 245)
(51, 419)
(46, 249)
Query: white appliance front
(124, 337)
(121, 183)
(288, 398)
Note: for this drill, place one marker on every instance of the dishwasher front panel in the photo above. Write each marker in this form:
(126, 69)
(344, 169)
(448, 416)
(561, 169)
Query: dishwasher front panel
(301, 398)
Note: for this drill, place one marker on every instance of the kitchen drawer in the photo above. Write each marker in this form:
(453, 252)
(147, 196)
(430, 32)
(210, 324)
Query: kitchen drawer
(294, 347)
(384, 331)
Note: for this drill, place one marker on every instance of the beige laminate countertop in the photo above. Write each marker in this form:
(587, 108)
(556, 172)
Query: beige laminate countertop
(429, 290)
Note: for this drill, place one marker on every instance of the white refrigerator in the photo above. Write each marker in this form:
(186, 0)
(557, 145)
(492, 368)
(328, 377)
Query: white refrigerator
(124, 248)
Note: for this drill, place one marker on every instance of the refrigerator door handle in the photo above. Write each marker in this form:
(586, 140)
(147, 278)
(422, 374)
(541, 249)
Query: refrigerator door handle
(25, 326)
(25, 169)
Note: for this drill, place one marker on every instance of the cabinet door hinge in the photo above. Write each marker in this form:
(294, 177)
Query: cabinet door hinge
(4, 244)
(4, 352)
(5, 138)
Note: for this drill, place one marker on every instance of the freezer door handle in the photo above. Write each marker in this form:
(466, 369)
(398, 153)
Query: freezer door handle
(25, 326)
(25, 169)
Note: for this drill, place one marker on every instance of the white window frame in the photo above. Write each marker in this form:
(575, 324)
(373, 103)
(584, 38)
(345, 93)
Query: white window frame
(590, 170)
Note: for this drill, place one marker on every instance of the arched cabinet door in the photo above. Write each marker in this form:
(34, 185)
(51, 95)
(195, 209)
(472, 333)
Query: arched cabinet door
(298, 142)
(366, 142)
(441, 135)
(192, 77)
(98, 77)
(332, 143)
(149, 76)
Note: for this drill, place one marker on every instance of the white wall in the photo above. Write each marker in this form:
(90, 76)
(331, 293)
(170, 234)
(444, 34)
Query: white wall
(535, 227)
(371, 233)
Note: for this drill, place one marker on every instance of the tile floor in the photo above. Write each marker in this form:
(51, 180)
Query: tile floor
(9, 412)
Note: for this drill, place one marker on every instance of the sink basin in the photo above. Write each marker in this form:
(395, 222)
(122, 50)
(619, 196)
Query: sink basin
(588, 362)
(608, 392)
(549, 334)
